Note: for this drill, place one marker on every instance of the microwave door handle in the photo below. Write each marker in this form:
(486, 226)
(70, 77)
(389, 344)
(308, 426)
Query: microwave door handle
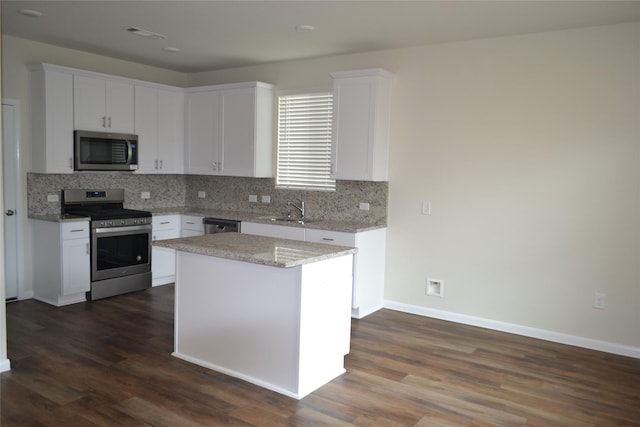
(129, 152)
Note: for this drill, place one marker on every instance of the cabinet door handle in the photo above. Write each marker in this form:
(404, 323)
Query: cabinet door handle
(75, 231)
(109, 121)
(156, 164)
(160, 164)
(87, 248)
(327, 239)
(189, 222)
(165, 222)
(70, 162)
(213, 165)
(104, 121)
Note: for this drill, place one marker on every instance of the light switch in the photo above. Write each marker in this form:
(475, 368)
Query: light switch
(426, 207)
(266, 199)
(53, 198)
(364, 206)
(253, 198)
(145, 195)
(201, 194)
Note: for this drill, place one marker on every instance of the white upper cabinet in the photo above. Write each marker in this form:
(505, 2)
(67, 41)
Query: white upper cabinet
(159, 124)
(229, 130)
(202, 121)
(102, 105)
(51, 120)
(362, 110)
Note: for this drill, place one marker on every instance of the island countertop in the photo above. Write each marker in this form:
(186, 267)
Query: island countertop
(256, 249)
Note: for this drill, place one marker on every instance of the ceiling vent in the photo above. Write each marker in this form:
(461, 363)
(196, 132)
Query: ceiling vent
(145, 33)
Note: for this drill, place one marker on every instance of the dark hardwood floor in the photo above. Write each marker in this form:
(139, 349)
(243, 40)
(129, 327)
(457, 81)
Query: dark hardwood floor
(108, 363)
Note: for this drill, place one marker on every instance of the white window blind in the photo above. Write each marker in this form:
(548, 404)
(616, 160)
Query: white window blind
(304, 141)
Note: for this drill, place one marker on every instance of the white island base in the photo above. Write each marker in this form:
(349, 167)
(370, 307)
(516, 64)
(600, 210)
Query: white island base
(284, 329)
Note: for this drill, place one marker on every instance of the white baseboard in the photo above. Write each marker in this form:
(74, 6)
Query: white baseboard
(5, 365)
(526, 331)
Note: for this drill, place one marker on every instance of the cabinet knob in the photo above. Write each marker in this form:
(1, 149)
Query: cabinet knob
(9, 212)
(160, 164)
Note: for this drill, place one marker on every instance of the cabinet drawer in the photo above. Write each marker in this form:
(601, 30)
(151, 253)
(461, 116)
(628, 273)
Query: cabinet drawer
(193, 223)
(75, 230)
(165, 222)
(337, 238)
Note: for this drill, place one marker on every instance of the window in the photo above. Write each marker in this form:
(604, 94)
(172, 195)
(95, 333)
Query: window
(304, 141)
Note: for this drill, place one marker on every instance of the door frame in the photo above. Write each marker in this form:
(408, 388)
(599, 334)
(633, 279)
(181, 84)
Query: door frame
(20, 196)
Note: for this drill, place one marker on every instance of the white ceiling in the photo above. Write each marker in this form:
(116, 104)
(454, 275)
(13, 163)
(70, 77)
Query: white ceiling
(223, 34)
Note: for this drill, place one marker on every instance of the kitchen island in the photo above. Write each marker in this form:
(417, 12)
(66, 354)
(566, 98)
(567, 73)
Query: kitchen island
(274, 312)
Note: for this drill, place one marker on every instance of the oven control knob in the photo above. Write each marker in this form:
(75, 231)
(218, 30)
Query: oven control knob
(138, 258)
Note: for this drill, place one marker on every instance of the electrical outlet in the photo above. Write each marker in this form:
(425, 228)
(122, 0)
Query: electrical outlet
(145, 195)
(53, 198)
(599, 300)
(266, 199)
(434, 287)
(202, 195)
(253, 198)
(364, 206)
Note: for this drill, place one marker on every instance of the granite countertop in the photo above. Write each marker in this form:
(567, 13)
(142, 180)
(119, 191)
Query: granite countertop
(330, 225)
(60, 218)
(269, 251)
(212, 213)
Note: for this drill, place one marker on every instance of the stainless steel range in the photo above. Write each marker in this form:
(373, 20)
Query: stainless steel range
(120, 241)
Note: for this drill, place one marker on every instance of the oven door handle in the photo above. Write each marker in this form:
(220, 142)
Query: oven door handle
(122, 229)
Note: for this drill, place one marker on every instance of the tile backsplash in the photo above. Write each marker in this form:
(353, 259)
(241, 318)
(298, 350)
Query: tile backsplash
(221, 192)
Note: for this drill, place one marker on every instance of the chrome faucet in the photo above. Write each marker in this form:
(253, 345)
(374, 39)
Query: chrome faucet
(300, 208)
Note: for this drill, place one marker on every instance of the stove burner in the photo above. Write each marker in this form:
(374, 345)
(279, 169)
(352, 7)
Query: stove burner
(104, 206)
(97, 213)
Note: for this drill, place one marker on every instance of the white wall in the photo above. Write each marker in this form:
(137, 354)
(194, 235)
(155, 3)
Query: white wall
(528, 148)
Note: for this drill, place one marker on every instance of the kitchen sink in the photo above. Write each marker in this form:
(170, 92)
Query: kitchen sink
(291, 220)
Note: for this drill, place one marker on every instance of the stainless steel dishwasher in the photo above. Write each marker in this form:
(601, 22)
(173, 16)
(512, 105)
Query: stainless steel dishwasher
(219, 225)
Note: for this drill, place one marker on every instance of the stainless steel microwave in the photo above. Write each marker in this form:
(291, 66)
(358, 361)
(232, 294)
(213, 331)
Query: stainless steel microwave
(103, 151)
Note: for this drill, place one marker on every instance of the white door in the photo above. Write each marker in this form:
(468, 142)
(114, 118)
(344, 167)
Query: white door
(11, 194)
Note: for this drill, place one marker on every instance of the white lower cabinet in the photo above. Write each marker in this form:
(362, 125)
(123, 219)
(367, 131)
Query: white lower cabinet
(62, 262)
(163, 260)
(191, 225)
(368, 262)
